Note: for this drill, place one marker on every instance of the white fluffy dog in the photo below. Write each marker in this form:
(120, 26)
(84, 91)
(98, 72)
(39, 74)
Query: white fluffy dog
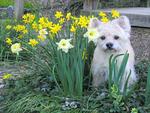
(114, 38)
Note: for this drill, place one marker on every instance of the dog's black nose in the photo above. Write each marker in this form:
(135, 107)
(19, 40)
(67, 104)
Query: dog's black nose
(109, 45)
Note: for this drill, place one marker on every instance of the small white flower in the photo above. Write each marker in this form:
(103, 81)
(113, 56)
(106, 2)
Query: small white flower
(65, 45)
(16, 48)
(73, 105)
(43, 32)
(92, 35)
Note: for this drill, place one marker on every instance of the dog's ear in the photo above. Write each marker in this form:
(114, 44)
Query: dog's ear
(124, 23)
(94, 23)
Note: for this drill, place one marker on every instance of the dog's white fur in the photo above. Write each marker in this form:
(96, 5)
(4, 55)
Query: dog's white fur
(118, 27)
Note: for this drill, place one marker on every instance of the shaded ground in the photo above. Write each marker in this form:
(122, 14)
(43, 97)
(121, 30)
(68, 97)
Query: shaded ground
(18, 69)
(140, 39)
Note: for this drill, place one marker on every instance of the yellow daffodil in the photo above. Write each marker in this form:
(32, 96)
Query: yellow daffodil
(7, 76)
(20, 36)
(64, 45)
(58, 14)
(40, 27)
(28, 18)
(92, 35)
(33, 42)
(21, 28)
(43, 22)
(8, 27)
(62, 20)
(43, 32)
(9, 41)
(55, 28)
(102, 14)
(49, 24)
(25, 31)
(115, 13)
(104, 19)
(68, 16)
(41, 37)
(73, 29)
(16, 48)
(35, 26)
(83, 22)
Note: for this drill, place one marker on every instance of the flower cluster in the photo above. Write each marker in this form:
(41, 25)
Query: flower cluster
(28, 18)
(93, 34)
(104, 17)
(44, 28)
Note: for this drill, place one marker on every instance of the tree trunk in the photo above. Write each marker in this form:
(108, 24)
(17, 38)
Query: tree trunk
(90, 4)
(19, 8)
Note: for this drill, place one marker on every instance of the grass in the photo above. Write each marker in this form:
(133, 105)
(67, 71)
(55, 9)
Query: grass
(6, 3)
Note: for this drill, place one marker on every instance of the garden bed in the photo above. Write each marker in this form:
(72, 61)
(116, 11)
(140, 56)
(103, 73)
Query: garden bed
(50, 69)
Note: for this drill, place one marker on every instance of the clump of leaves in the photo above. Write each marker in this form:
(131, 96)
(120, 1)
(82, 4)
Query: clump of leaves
(116, 73)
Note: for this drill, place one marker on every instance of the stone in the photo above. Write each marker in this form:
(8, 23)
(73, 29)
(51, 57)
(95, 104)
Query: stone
(10, 11)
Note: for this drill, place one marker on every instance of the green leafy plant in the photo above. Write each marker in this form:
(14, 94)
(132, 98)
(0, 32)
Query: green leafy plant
(147, 93)
(70, 68)
(116, 73)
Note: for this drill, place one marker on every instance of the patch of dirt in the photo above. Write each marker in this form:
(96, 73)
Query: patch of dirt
(140, 39)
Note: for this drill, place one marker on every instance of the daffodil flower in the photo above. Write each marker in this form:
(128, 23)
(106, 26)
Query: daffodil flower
(41, 37)
(33, 42)
(68, 16)
(115, 13)
(92, 35)
(73, 29)
(16, 48)
(28, 18)
(7, 76)
(104, 19)
(56, 28)
(64, 45)
(102, 14)
(43, 32)
(58, 14)
(9, 41)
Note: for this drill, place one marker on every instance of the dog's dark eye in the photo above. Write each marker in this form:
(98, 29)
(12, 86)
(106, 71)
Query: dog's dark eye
(102, 37)
(116, 37)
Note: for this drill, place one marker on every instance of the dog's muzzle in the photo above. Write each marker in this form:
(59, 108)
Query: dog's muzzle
(109, 46)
